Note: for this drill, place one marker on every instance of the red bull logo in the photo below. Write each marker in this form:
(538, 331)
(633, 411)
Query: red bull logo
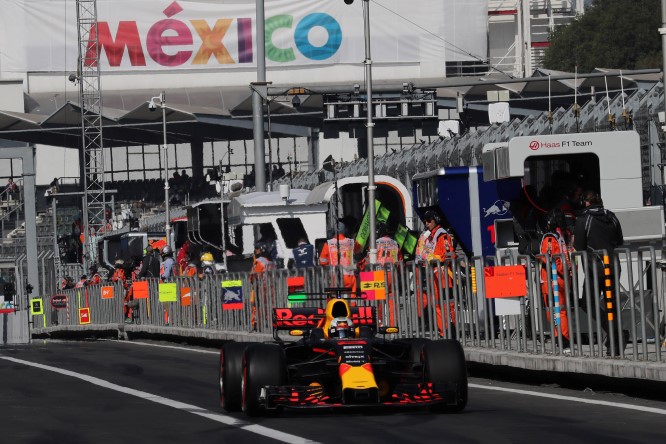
(498, 208)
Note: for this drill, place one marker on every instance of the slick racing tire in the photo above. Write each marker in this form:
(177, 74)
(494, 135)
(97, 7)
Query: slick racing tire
(231, 374)
(263, 365)
(445, 364)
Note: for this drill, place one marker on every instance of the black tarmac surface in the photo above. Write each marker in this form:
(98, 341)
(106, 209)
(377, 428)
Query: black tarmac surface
(169, 394)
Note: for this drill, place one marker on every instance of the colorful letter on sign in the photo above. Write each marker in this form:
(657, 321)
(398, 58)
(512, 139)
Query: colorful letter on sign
(36, 306)
(232, 295)
(507, 281)
(168, 292)
(373, 285)
(107, 292)
(84, 315)
(140, 290)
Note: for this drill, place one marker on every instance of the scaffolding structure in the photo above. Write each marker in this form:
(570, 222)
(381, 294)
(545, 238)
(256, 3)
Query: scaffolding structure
(90, 99)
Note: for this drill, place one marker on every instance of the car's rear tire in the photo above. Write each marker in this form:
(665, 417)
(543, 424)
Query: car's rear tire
(445, 364)
(263, 364)
(231, 375)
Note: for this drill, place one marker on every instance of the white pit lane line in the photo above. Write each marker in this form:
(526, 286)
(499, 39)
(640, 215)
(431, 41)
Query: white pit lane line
(224, 419)
(477, 386)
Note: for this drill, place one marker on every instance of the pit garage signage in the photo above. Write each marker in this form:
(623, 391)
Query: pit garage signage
(59, 301)
(84, 315)
(232, 295)
(507, 281)
(36, 306)
(107, 292)
(373, 285)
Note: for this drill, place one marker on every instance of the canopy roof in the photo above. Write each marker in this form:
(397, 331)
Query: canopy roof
(207, 114)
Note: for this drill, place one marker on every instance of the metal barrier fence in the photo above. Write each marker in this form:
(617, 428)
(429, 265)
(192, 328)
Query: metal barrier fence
(618, 311)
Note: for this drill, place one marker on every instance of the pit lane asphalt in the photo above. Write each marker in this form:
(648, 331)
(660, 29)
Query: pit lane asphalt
(127, 404)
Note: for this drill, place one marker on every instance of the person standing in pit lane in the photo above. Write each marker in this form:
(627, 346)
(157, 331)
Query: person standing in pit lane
(439, 247)
(339, 251)
(258, 278)
(598, 229)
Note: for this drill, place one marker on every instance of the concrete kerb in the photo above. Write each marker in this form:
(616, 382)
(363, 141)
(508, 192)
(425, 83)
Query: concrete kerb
(614, 368)
(122, 331)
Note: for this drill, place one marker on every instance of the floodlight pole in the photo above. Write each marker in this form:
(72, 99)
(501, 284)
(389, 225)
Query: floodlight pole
(662, 31)
(167, 210)
(372, 247)
(258, 102)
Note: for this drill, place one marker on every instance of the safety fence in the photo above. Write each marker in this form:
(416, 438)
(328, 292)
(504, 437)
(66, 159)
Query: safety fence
(516, 303)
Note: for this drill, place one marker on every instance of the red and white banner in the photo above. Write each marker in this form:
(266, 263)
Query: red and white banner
(163, 35)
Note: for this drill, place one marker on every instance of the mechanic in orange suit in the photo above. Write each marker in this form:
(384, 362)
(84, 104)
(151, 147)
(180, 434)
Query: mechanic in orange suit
(439, 246)
(339, 250)
(262, 264)
(388, 252)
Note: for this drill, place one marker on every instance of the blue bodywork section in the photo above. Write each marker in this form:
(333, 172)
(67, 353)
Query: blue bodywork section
(454, 201)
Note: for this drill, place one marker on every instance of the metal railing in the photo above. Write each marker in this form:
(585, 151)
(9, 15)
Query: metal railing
(439, 299)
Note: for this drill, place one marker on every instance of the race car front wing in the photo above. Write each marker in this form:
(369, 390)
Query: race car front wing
(315, 396)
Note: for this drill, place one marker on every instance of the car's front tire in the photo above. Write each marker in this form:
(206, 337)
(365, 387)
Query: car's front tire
(263, 365)
(445, 364)
(231, 374)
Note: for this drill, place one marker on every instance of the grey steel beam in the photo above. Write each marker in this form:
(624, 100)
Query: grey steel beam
(10, 150)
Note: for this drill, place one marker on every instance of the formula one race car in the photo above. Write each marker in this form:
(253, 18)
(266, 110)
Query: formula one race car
(342, 360)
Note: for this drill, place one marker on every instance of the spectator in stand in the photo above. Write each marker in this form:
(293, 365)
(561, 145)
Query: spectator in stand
(185, 183)
(77, 238)
(176, 186)
(176, 179)
(12, 189)
(276, 173)
(54, 186)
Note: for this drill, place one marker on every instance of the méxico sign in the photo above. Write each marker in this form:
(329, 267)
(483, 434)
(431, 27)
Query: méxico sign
(37, 35)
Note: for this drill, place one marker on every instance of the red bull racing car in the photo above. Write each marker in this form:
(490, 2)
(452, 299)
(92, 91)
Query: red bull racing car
(342, 360)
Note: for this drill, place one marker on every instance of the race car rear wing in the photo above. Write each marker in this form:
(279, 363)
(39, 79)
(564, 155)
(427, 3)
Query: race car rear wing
(311, 317)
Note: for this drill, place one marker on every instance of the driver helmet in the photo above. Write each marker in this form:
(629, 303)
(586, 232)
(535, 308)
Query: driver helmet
(341, 328)
(119, 263)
